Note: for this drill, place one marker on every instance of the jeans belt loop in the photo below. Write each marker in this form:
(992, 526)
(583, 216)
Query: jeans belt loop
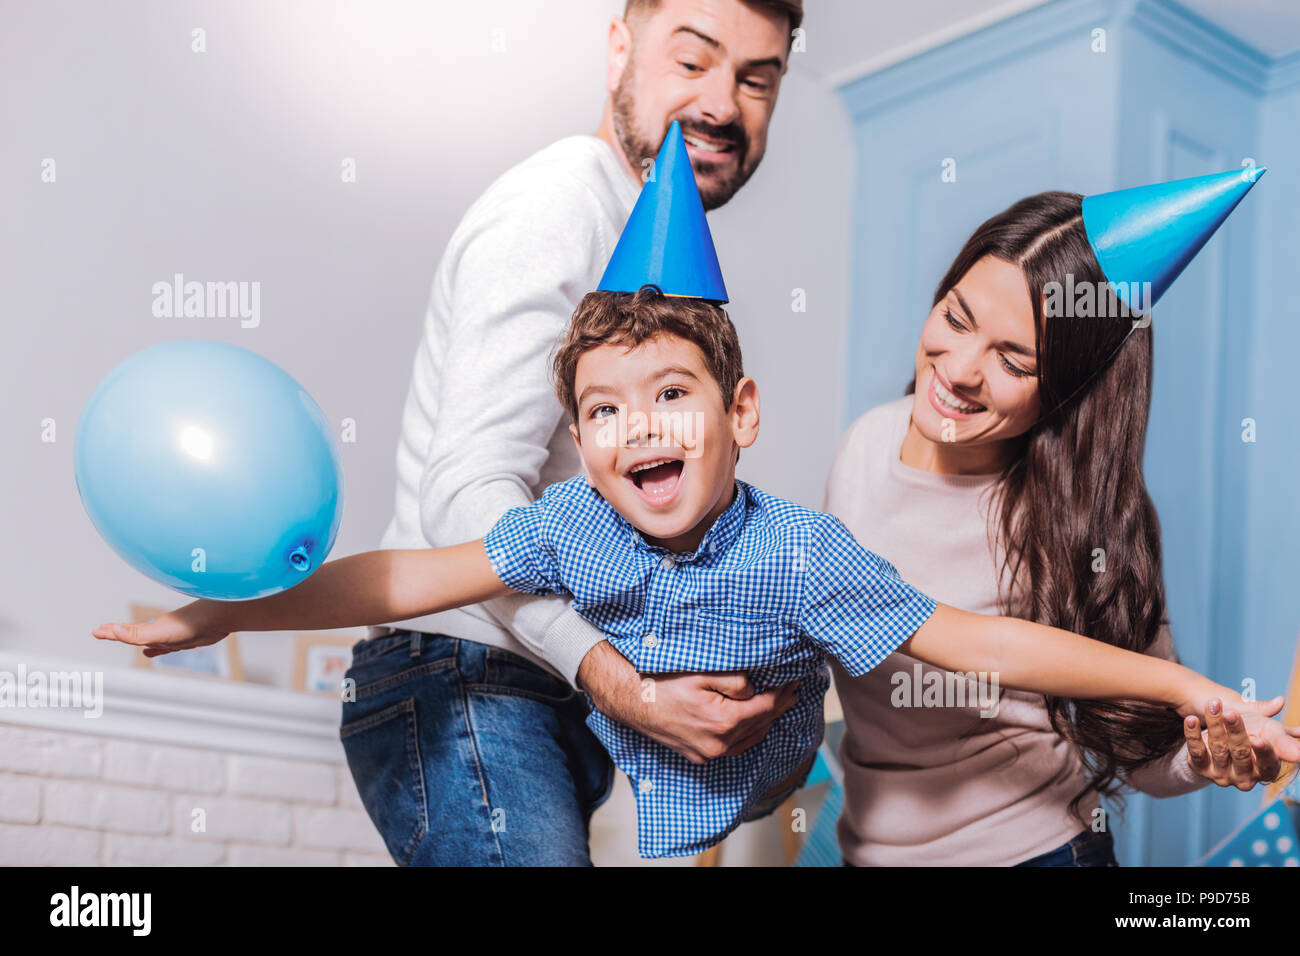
(415, 644)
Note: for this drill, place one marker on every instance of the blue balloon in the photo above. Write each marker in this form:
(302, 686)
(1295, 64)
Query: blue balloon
(209, 469)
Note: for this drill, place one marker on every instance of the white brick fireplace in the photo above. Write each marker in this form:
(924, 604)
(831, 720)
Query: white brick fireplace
(177, 770)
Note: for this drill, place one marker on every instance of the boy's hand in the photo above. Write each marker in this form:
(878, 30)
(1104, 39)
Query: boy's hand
(1206, 700)
(194, 625)
(1239, 751)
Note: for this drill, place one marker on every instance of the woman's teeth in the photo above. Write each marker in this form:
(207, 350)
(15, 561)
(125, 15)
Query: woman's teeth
(952, 401)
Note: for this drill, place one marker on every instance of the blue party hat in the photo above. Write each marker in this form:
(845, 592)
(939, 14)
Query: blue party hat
(1267, 839)
(666, 241)
(1148, 234)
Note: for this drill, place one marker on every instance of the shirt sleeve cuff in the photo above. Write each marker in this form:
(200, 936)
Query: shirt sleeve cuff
(567, 642)
(511, 563)
(908, 617)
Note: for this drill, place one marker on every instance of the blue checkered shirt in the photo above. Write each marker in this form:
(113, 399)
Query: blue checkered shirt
(771, 589)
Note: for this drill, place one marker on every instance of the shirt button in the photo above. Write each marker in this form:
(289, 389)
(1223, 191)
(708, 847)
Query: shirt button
(650, 639)
(646, 786)
(668, 562)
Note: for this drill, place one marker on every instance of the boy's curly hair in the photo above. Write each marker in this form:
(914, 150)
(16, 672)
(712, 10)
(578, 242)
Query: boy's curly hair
(630, 318)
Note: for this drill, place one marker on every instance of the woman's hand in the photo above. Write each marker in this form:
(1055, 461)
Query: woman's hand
(194, 625)
(1239, 750)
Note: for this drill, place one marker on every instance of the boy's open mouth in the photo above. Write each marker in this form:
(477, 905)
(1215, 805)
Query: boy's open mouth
(657, 479)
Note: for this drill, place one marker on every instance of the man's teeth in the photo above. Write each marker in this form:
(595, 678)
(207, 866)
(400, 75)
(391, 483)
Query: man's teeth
(703, 144)
(952, 401)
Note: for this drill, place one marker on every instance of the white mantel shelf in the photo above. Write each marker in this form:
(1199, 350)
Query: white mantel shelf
(188, 711)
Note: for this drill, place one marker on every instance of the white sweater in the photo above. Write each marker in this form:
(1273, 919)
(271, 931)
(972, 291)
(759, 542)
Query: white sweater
(943, 786)
(482, 431)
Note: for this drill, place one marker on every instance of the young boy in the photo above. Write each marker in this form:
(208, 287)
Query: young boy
(684, 567)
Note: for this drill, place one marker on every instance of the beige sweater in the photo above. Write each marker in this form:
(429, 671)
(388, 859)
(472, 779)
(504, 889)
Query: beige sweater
(942, 785)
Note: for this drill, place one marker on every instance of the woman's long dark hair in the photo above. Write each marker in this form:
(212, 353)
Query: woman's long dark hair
(1075, 483)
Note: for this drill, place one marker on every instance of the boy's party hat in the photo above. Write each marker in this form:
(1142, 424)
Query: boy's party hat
(666, 241)
(1148, 234)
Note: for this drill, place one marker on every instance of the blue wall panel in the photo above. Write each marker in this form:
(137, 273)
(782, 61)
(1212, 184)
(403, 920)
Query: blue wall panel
(1027, 105)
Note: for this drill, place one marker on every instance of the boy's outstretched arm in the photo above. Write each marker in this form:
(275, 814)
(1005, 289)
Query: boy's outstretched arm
(855, 607)
(373, 587)
(1048, 660)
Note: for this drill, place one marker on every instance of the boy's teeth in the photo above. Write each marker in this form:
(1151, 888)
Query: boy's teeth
(658, 479)
(650, 464)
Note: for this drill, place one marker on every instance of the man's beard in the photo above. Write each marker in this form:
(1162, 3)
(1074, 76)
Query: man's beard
(715, 188)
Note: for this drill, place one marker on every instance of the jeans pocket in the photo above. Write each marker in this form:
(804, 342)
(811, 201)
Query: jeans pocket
(507, 673)
(380, 675)
(1094, 849)
(371, 647)
(383, 753)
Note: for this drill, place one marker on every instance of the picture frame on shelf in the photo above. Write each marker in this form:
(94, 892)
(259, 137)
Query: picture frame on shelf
(320, 659)
(220, 660)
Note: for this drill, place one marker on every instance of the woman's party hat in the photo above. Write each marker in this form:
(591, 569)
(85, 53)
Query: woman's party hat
(1145, 236)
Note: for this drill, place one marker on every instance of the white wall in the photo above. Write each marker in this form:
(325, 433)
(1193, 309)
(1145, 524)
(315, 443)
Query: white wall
(225, 165)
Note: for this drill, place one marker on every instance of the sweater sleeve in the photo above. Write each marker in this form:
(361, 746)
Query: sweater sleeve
(511, 277)
(1171, 775)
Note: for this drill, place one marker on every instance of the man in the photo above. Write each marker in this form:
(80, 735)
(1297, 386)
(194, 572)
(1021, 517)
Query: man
(466, 747)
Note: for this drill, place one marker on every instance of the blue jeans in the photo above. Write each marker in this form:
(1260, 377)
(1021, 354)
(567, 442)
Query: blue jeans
(1086, 849)
(469, 755)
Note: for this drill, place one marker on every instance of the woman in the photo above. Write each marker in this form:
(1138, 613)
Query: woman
(1009, 480)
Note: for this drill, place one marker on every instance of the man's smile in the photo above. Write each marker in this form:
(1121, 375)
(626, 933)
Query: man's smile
(706, 146)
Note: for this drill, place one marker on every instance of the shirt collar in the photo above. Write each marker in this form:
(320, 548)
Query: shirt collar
(724, 530)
